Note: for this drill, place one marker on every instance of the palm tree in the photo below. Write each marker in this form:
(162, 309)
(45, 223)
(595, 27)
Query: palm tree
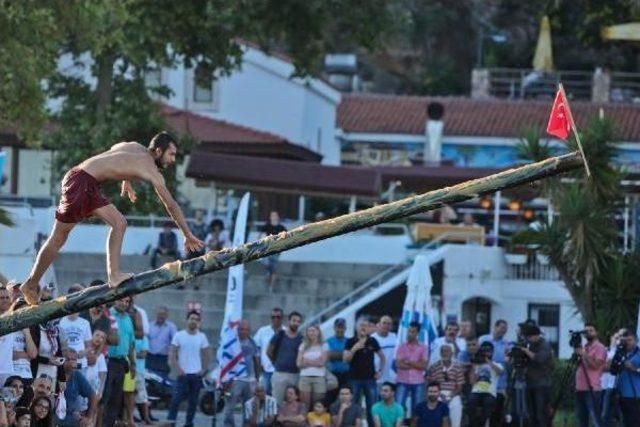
(582, 241)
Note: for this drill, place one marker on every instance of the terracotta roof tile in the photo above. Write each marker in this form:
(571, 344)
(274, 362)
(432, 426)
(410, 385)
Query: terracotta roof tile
(471, 117)
(206, 129)
(220, 136)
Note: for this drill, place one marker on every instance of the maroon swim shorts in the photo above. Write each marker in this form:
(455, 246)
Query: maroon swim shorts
(81, 195)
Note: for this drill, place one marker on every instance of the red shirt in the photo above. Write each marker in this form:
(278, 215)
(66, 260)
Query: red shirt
(595, 350)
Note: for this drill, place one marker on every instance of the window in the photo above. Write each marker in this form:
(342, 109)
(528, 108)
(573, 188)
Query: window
(153, 78)
(202, 86)
(548, 318)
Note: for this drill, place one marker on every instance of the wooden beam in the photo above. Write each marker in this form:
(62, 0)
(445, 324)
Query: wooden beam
(213, 261)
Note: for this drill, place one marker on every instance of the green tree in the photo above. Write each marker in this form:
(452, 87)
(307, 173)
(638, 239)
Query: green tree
(582, 241)
(124, 39)
(30, 42)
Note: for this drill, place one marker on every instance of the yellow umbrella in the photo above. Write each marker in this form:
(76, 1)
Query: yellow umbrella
(630, 31)
(543, 58)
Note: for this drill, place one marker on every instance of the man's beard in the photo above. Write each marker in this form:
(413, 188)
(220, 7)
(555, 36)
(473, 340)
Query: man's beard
(432, 399)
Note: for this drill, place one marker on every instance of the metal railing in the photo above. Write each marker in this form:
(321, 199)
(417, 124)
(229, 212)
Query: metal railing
(520, 83)
(371, 284)
(357, 293)
(532, 269)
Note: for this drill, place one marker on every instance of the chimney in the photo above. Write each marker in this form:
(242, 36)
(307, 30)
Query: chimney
(433, 134)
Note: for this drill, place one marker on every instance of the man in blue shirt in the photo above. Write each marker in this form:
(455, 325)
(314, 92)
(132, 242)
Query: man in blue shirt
(629, 380)
(119, 357)
(77, 387)
(500, 349)
(337, 366)
(431, 412)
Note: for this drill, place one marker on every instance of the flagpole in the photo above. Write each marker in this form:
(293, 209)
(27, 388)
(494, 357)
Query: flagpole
(575, 131)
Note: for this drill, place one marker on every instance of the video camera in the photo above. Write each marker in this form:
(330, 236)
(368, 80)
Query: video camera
(576, 338)
(619, 357)
(518, 357)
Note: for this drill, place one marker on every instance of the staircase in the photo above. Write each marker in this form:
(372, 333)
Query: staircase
(304, 287)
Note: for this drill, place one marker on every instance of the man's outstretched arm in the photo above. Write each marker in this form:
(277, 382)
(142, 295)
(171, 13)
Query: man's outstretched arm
(191, 243)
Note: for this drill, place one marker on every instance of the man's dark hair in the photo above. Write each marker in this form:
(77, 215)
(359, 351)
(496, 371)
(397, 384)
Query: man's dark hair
(472, 338)
(452, 323)
(499, 322)
(391, 385)
(415, 324)
(433, 384)
(295, 313)
(277, 309)
(346, 387)
(593, 325)
(628, 332)
(487, 344)
(196, 312)
(162, 141)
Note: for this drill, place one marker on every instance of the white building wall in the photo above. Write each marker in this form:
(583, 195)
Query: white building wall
(34, 179)
(477, 271)
(263, 96)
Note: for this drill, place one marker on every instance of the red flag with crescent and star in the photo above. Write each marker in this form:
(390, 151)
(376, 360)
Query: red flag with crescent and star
(560, 118)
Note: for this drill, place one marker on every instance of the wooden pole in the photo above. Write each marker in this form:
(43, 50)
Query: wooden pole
(213, 261)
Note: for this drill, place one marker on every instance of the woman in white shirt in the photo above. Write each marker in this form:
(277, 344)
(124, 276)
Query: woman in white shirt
(312, 357)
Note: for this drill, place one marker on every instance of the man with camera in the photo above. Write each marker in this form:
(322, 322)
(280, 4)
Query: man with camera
(592, 359)
(484, 377)
(538, 374)
(626, 363)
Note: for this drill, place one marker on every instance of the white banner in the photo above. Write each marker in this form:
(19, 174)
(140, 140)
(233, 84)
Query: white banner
(230, 358)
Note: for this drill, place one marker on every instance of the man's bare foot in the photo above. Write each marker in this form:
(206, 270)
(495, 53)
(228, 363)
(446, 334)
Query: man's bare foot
(116, 279)
(31, 292)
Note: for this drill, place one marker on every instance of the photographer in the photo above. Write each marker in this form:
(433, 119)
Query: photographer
(628, 377)
(538, 376)
(484, 379)
(592, 359)
(610, 407)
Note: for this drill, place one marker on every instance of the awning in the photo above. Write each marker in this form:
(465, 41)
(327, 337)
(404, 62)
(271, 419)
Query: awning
(420, 179)
(283, 176)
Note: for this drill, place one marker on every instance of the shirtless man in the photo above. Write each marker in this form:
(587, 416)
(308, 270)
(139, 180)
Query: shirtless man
(82, 198)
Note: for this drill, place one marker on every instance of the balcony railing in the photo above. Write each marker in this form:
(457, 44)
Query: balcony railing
(530, 266)
(521, 83)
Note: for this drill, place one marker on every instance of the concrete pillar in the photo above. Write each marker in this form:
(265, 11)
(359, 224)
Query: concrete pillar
(496, 217)
(600, 85)
(480, 78)
(301, 208)
(352, 204)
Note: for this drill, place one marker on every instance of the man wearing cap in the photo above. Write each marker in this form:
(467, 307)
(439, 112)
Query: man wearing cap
(539, 371)
(337, 365)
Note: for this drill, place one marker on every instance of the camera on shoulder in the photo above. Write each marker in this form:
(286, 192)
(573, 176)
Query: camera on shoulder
(576, 338)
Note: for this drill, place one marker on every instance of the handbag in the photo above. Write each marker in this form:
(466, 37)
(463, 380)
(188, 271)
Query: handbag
(332, 380)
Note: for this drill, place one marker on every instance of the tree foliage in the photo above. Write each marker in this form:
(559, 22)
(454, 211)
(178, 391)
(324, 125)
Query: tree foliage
(102, 98)
(582, 241)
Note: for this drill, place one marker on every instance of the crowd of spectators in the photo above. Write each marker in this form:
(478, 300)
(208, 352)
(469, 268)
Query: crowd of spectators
(88, 369)
(460, 379)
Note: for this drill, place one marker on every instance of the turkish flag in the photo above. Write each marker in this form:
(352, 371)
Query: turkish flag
(560, 118)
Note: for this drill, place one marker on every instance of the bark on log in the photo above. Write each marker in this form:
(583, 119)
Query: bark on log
(213, 261)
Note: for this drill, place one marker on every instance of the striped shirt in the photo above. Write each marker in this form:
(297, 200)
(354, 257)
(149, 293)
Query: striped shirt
(269, 408)
(448, 378)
